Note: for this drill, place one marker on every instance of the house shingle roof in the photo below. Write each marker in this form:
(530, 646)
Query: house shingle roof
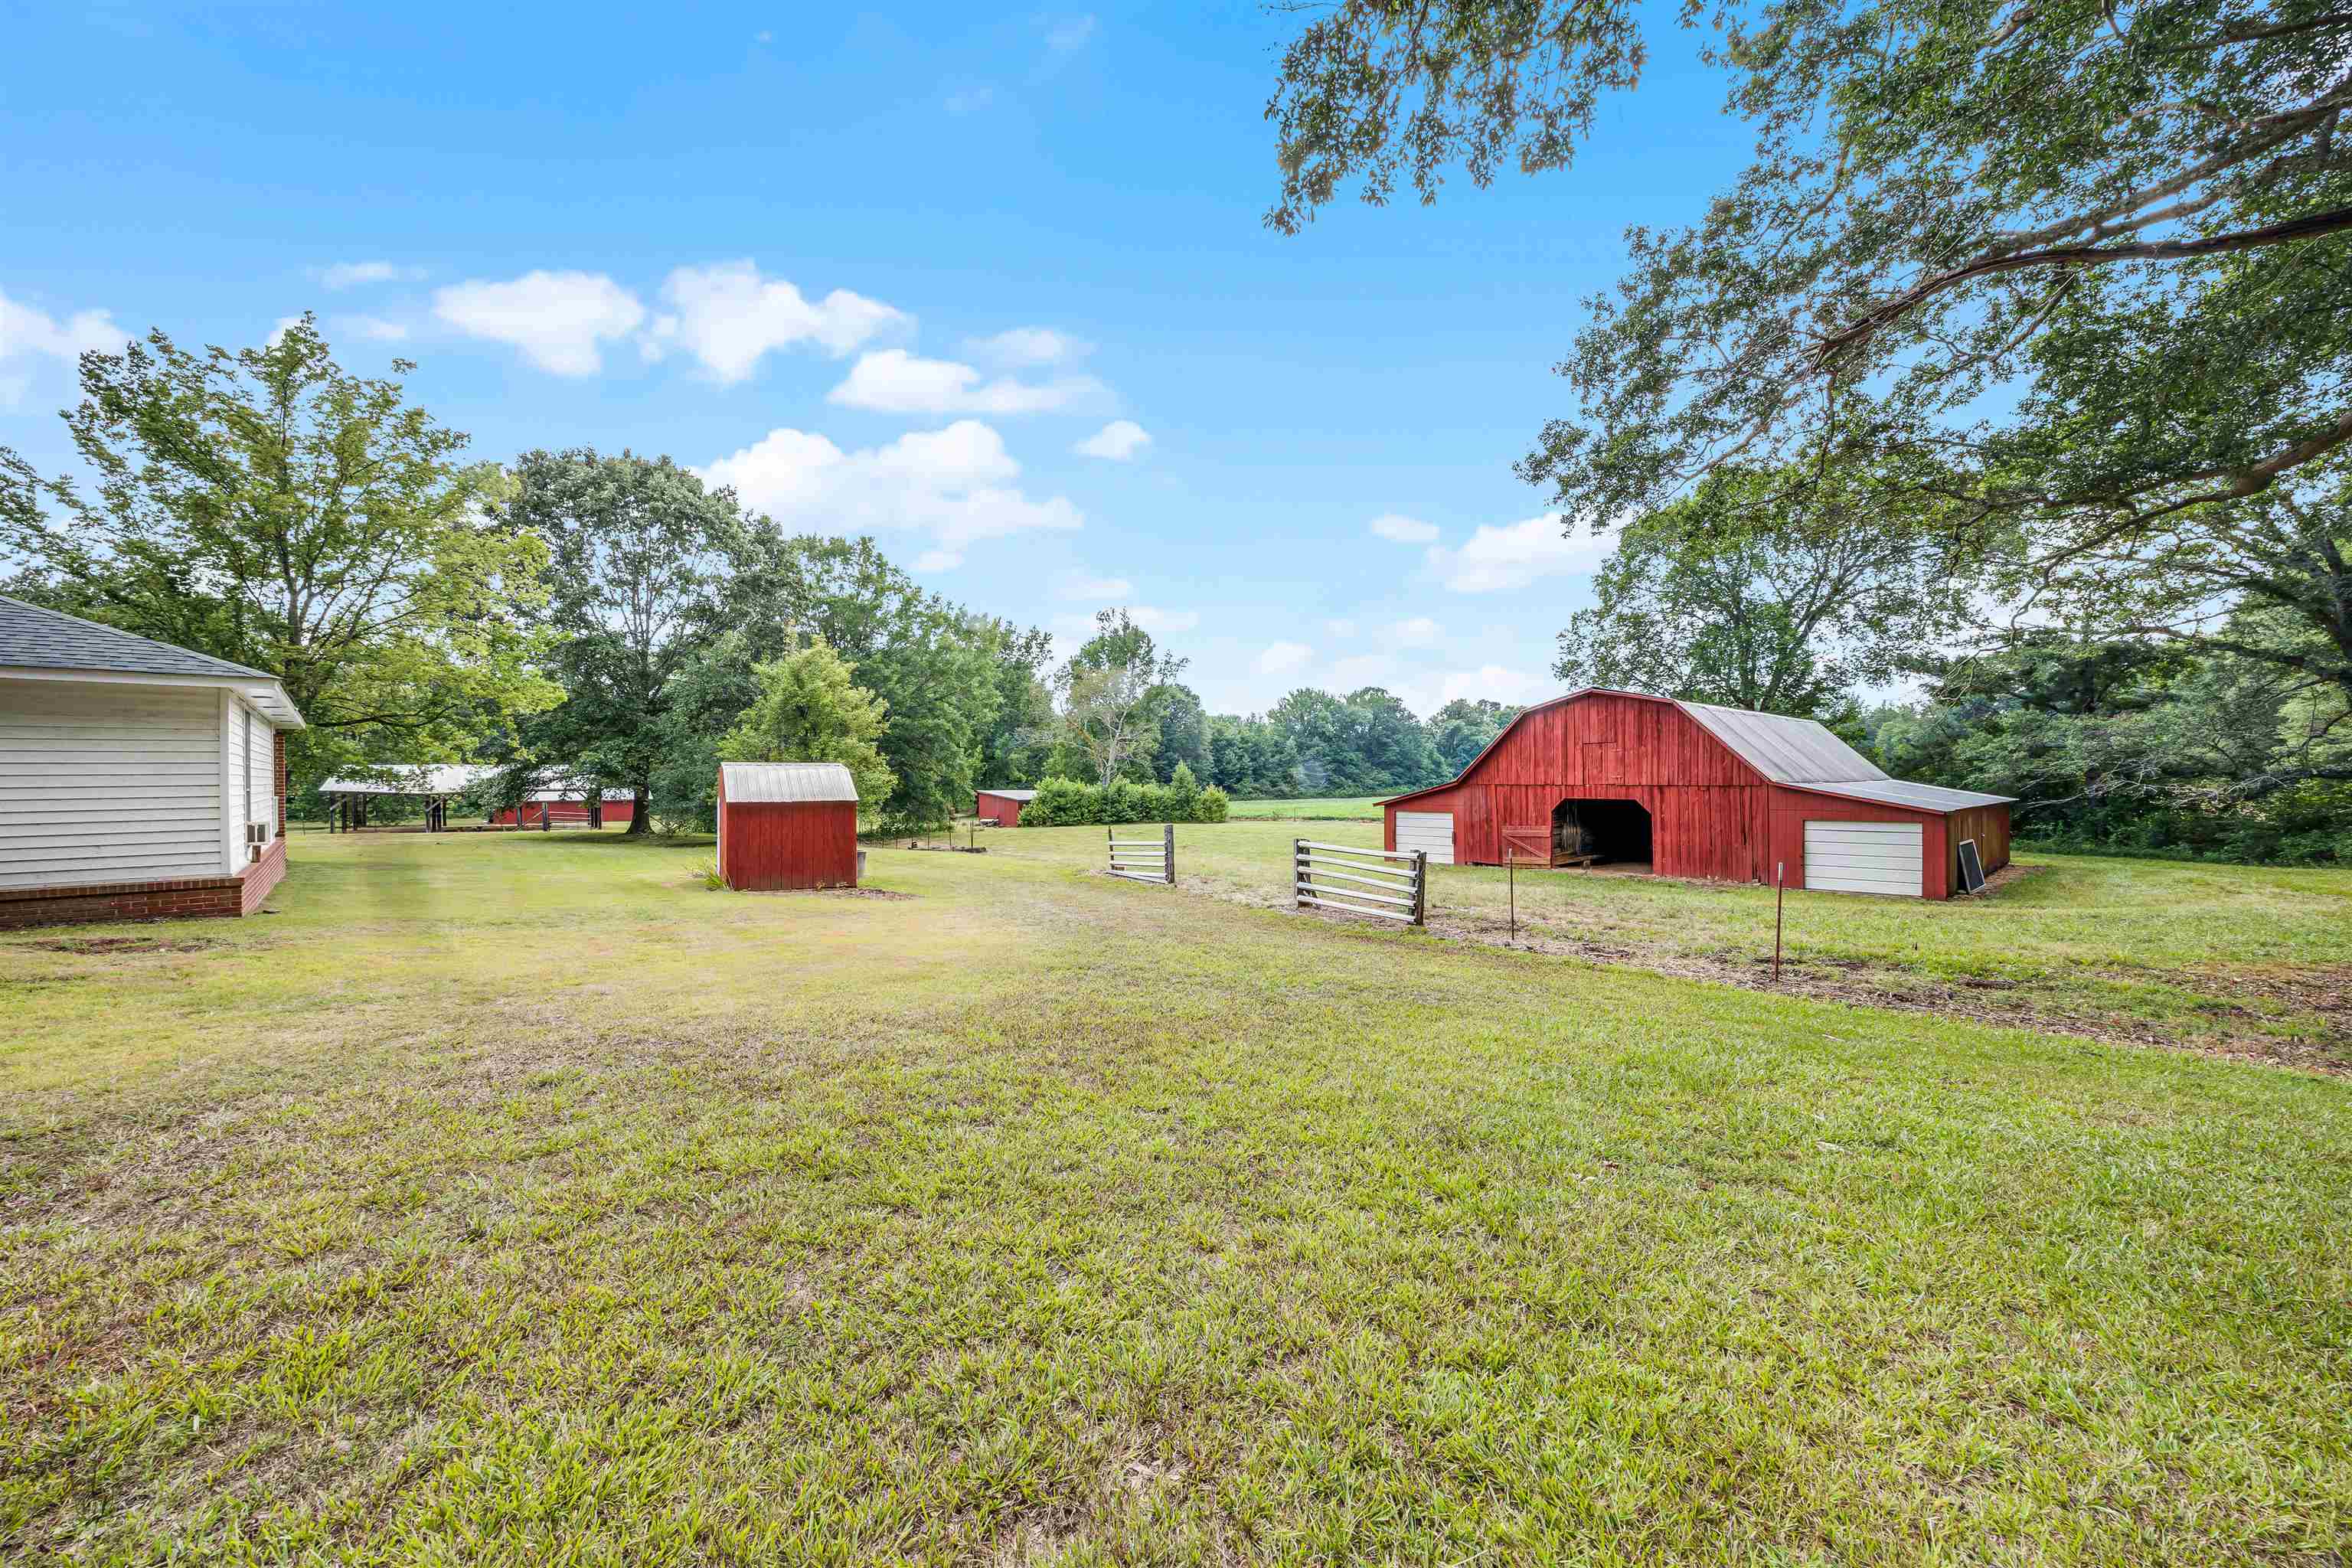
(34, 638)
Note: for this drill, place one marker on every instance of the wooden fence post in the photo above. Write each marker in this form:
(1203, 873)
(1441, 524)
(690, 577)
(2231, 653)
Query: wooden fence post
(1420, 887)
(1300, 874)
(1171, 854)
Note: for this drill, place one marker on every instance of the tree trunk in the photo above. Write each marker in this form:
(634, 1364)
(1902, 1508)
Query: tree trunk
(638, 821)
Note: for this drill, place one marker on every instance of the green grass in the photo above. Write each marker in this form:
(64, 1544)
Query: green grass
(511, 1198)
(1333, 809)
(2229, 958)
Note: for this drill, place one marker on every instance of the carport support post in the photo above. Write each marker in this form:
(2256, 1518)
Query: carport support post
(1169, 860)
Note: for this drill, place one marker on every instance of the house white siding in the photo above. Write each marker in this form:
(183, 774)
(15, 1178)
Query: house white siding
(109, 784)
(260, 775)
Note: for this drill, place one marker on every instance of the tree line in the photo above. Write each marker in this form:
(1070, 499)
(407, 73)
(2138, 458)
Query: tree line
(604, 622)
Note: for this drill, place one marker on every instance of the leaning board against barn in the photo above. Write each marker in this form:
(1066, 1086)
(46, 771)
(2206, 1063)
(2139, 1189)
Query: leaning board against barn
(1690, 789)
(137, 780)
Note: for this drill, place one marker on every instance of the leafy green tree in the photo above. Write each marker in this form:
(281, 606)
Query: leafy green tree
(938, 671)
(1184, 726)
(270, 508)
(1251, 758)
(1721, 599)
(2079, 276)
(1466, 727)
(809, 710)
(1019, 736)
(638, 547)
(1107, 693)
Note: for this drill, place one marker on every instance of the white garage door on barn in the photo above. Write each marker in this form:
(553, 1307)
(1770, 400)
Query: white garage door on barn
(1865, 857)
(1428, 830)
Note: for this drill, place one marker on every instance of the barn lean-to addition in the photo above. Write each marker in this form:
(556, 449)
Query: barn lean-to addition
(787, 826)
(1694, 790)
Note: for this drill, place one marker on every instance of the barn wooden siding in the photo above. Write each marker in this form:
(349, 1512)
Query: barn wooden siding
(765, 845)
(1988, 826)
(991, 806)
(1707, 809)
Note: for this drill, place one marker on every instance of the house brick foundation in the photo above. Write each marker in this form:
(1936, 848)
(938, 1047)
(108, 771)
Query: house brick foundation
(193, 898)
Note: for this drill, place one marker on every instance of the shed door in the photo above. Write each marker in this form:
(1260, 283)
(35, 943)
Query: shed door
(1866, 857)
(1429, 830)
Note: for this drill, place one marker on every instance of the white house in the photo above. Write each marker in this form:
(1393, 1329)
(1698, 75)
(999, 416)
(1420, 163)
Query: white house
(137, 780)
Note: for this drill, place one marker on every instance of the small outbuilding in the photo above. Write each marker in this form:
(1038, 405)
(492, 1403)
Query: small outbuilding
(137, 780)
(787, 825)
(1001, 807)
(1690, 789)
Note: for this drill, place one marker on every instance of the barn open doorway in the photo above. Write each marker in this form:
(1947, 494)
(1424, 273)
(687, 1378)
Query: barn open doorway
(1614, 833)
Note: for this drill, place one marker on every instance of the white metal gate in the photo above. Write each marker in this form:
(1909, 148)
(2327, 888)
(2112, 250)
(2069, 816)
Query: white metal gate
(1431, 832)
(1866, 857)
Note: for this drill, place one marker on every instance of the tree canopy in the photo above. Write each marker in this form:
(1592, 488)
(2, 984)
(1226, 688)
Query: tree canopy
(809, 710)
(268, 507)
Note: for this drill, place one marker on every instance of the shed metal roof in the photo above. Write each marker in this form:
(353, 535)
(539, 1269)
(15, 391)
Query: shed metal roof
(774, 783)
(52, 642)
(1801, 752)
(1020, 794)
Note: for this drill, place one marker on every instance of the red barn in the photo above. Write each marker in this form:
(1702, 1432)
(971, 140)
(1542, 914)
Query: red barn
(546, 806)
(1001, 807)
(1689, 789)
(787, 825)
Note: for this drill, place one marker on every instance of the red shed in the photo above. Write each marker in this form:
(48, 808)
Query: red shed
(1693, 790)
(1001, 807)
(787, 825)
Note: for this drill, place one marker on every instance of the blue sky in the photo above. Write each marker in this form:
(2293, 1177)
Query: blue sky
(992, 286)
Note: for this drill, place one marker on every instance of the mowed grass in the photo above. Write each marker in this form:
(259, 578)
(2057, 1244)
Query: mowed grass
(1338, 808)
(2250, 959)
(514, 1199)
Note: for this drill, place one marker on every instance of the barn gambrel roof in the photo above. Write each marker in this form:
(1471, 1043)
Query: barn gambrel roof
(1802, 753)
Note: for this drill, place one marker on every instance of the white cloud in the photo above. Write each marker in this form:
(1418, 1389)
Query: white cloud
(1069, 35)
(1341, 628)
(893, 381)
(1083, 585)
(727, 316)
(1418, 632)
(1363, 669)
(556, 319)
(1405, 529)
(1284, 657)
(1153, 619)
(354, 274)
(374, 328)
(971, 99)
(954, 485)
(939, 561)
(1029, 346)
(1494, 681)
(1119, 440)
(764, 36)
(1513, 555)
(25, 333)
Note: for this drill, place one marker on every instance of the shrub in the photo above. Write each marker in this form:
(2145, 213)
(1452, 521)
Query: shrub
(1066, 803)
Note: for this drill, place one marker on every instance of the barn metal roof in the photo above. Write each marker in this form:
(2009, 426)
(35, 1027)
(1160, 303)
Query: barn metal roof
(1802, 753)
(1020, 794)
(1902, 792)
(1784, 749)
(435, 778)
(44, 642)
(764, 783)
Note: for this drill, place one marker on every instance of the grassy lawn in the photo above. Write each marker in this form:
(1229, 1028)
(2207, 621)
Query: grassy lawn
(1335, 808)
(510, 1198)
(2228, 958)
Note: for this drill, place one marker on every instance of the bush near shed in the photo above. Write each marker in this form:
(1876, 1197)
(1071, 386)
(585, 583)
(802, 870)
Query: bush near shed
(1068, 803)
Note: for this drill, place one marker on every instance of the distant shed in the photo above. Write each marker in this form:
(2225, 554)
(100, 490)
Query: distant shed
(787, 825)
(1001, 807)
(1690, 789)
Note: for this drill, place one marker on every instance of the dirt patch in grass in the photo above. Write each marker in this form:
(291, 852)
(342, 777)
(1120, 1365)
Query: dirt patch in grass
(2000, 1001)
(120, 944)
